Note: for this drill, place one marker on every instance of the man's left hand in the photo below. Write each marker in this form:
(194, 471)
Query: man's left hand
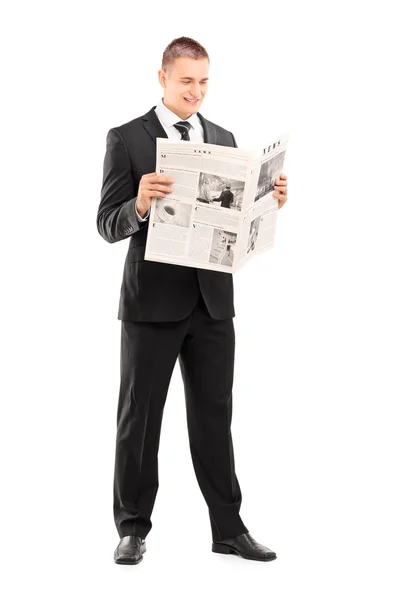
(280, 188)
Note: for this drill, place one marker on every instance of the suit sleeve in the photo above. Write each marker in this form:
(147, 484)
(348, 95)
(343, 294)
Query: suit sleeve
(141, 219)
(234, 141)
(117, 218)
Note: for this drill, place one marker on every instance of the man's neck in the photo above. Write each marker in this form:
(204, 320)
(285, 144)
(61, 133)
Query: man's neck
(182, 116)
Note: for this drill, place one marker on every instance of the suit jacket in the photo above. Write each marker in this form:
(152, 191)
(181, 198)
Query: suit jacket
(153, 291)
(226, 198)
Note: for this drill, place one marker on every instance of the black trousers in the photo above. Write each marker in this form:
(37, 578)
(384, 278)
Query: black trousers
(205, 348)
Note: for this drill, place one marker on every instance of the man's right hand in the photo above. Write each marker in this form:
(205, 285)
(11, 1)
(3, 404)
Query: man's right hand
(152, 186)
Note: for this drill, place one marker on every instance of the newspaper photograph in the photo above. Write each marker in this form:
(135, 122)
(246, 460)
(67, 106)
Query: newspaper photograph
(221, 211)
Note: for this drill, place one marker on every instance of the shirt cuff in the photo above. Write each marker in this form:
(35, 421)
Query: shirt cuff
(141, 219)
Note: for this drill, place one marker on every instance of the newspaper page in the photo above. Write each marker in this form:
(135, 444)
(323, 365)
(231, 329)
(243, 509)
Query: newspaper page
(221, 211)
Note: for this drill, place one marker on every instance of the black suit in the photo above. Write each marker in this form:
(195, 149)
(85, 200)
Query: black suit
(226, 198)
(167, 312)
(166, 292)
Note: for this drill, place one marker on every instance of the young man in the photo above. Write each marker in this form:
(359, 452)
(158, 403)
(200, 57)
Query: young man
(226, 197)
(168, 312)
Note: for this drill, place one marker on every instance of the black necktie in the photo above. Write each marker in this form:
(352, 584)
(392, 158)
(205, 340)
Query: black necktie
(183, 127)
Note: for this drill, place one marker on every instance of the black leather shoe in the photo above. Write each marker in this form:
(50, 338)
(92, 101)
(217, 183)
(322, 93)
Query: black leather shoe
(245, 546)
(130, 550)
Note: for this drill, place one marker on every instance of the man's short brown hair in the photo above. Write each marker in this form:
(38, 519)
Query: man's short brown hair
(183, 46)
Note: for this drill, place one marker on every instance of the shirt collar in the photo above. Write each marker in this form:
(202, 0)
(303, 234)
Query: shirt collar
(169, 118)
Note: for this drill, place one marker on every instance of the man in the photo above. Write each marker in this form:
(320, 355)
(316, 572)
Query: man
(206, 194)
(226, 196)
(168, 312)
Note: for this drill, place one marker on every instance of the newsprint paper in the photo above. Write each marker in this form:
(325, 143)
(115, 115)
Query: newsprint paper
(221, 212)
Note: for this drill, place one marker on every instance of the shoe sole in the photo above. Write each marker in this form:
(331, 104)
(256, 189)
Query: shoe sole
(127, 561)
(221, 549)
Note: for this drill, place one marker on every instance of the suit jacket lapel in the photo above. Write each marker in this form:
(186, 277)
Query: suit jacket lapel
(210, 135)
(154, 128)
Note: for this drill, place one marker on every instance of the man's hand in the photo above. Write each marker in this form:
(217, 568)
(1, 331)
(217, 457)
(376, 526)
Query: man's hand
(152, 186)
(281, 190)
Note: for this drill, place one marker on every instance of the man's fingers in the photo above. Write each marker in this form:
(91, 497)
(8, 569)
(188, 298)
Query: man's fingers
(148, 176)
(154, 187)
(159, 187)
(282, 179)
(154, 178)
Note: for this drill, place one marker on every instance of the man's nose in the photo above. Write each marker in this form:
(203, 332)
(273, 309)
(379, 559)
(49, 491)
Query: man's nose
(195, 90)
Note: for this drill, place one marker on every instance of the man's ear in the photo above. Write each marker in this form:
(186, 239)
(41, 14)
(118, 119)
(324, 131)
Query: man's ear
(162, 77)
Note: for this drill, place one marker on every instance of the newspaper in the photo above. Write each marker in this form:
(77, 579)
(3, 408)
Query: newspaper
(221, 212)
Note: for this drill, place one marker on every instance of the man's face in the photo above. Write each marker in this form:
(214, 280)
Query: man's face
(185, 85)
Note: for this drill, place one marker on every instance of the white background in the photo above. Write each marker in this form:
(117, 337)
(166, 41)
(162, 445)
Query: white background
(316, 389)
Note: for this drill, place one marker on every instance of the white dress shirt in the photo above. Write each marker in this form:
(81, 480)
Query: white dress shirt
(168, 119)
